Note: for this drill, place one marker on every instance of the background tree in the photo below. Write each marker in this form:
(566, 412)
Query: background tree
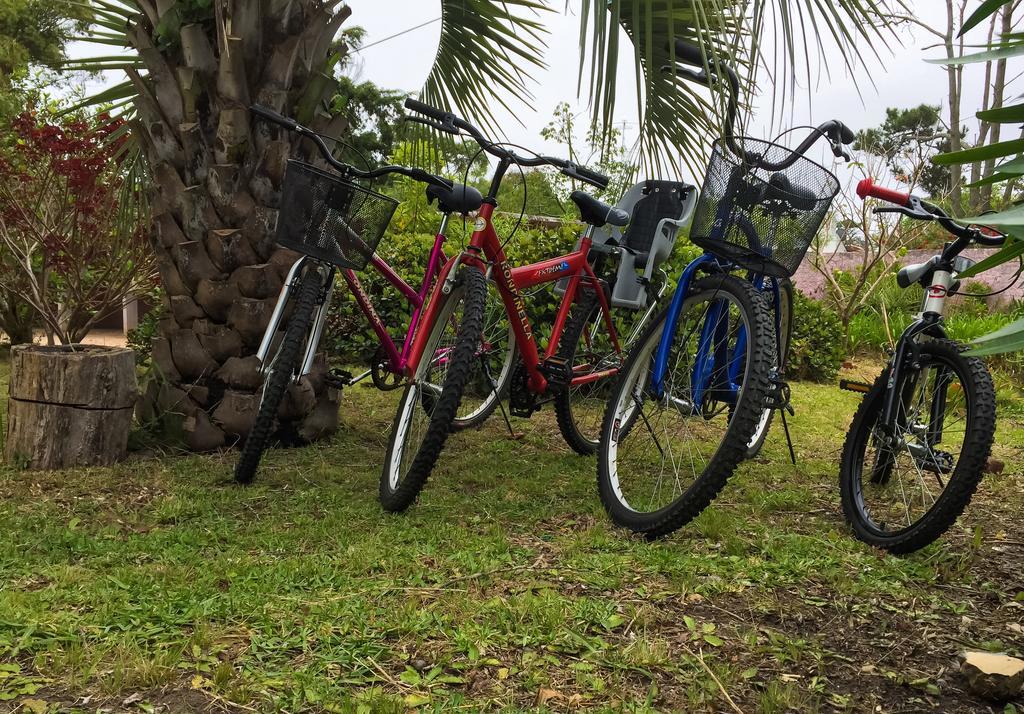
(996, 24)
(906, 141)
(33, 35)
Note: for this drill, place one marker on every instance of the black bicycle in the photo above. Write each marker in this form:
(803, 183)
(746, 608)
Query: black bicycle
(918, 445)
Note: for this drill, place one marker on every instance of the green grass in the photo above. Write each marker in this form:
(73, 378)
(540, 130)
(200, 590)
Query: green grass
(159, 584)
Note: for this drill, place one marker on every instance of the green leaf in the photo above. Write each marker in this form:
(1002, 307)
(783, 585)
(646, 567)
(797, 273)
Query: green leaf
(691, 624)
(993, 179)
(1008, 252)
(416, 700)
(981, 153)
(1007, 339)
(1014, 167)
(1004, 51)
(613, 621)
(714, 640)
(1010, 218)
(984, 11)
(410, 676)
(1003, 115)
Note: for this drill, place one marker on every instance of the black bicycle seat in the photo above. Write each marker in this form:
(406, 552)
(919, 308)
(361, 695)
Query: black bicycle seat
(457, 199)
(597, 213)
(783, 191)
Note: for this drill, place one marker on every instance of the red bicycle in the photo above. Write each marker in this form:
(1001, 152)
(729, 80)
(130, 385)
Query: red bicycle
(582, 352)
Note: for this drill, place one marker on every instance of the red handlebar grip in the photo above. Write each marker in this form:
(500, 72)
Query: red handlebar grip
(867, 188)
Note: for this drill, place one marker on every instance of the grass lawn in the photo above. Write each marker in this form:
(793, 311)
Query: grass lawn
(160, 586)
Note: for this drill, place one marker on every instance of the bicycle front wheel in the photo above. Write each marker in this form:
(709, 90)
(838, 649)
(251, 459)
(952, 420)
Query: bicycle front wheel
(784, 338)
(904, 486)
(418, 433)
(491, 371)
(664, 458)
(280, 372)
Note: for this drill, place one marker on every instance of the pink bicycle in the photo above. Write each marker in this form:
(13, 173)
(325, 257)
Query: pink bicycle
(337, 224)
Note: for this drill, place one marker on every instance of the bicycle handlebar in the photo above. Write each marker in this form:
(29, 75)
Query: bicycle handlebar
(913, 207)
(270, 115)
(416, 174)
(452, 124)
(867, 188)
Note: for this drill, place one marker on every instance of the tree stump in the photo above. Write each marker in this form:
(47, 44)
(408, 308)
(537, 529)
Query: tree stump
(69, 405)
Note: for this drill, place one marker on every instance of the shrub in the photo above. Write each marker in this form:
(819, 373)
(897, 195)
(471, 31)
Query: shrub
(140, 339)
(817, 344)
(73, 219)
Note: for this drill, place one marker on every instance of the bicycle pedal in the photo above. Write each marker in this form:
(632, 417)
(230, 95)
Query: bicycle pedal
(338, 378)
(557, 371)
(849, 385)
(780, 396)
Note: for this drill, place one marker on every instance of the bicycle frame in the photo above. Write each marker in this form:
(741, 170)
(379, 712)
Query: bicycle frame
(485, 252)
(398, 358)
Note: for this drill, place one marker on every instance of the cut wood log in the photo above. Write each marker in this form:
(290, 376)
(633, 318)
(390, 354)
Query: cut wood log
(190, 357)
(185, 310)
(216, 297)
(219, 340)
(323, 420)
(69, 405)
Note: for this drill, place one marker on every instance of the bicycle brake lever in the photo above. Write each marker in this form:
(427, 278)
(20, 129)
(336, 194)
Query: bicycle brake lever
(918, 215)
(841, 152)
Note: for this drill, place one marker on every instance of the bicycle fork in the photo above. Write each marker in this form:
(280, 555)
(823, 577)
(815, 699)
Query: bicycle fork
(320, 319)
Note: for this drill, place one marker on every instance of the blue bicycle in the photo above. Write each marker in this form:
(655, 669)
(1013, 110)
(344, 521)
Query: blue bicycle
(697, 392)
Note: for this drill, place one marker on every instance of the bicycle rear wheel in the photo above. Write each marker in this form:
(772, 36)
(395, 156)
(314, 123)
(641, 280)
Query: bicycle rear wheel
(418, 434)
(280, 372)
(902, 491)
(587, 346)
(663, 460)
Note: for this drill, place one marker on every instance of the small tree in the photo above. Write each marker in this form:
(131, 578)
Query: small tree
(72, 227)
(885, 239)
(906, 141)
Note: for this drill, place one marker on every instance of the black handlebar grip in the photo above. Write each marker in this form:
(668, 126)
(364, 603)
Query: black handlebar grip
(846, 134)
(689, 53)
(419, 107)
(272, 116)
(598, 179)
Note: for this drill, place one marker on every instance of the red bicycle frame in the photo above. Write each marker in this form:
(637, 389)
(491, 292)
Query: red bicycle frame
(399, 359)
(485, 250)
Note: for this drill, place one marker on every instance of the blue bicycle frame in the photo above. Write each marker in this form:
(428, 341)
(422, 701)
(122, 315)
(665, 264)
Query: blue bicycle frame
(712, 347)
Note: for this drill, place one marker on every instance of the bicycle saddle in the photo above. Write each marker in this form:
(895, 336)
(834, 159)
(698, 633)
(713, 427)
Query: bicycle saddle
(457, 199)
(598, 213)
(780, 189)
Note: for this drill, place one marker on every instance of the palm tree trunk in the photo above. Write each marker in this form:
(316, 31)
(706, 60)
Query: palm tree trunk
(217, 176)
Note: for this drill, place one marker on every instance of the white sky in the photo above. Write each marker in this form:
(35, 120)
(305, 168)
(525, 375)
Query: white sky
(904, 79)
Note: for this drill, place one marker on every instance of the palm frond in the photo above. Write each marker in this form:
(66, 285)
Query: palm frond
(674, 116)
(485, 55)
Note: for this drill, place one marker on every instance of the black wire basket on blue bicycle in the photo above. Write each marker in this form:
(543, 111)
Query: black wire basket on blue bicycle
(330, 218)
(760, 219)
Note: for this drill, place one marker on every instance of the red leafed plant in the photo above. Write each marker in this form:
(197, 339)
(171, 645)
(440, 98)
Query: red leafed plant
(72, 221)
